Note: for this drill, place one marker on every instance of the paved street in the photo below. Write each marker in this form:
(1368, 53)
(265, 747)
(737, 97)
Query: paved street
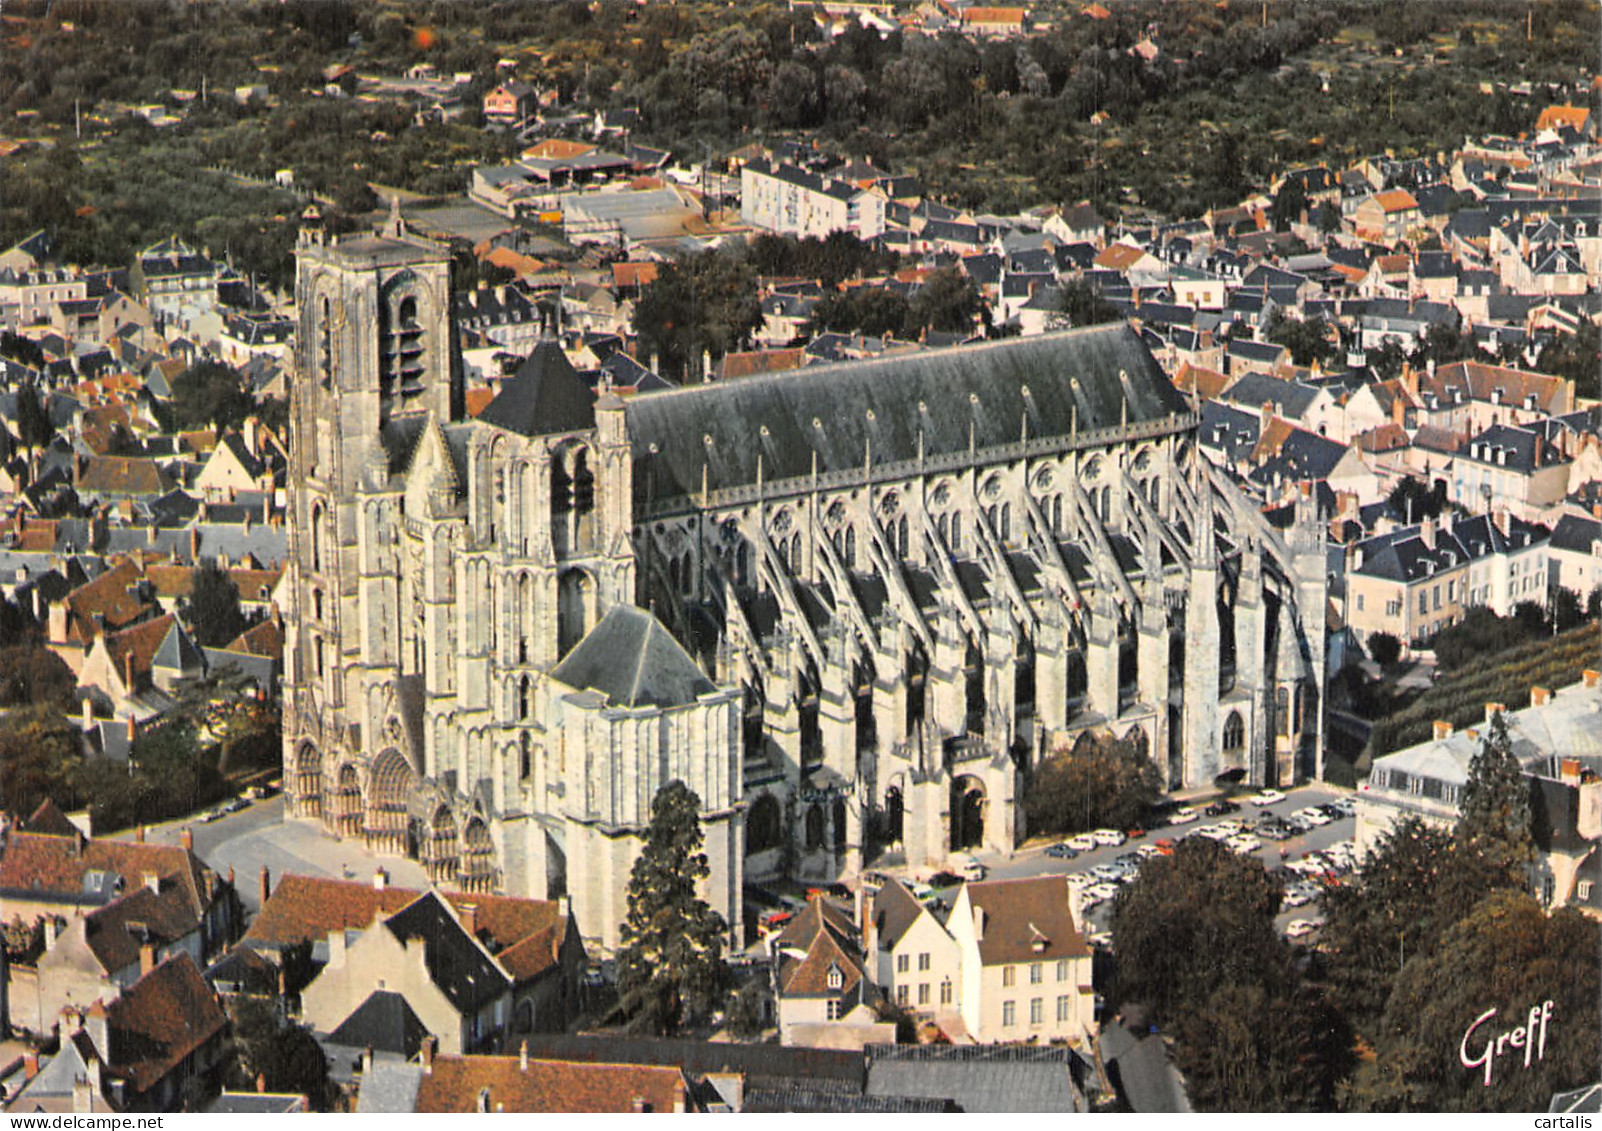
(259, 835)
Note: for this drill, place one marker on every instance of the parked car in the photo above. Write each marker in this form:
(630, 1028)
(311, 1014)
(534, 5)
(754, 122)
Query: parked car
(1062, 851)
(1182, 816)
(235, 804)
(774, 920)
(1164, 846)
(1300, 928)
(1268, 797)
(1221, 807)
(1110, 837)
(1243, 843)
(873, 881)
(1084, 842)
(970, 869)
(1136, 833)
(1296, 897)
(1312, 816)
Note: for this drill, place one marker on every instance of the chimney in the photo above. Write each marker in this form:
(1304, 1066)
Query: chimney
(367, 1060)
(1443, 729)
(1500, 519)
(638, 1105)
(468, 914)
(1492, 710)
(1539, 696)
(49, 931)
(147, 958)
(133, 729)
(678, 1095)
(1591, 678)
(261, 1083)
(336, 947)
(128, 673)
(380, 879)
(1569, 771)
(427, 1055)
(522, 1055)
(979, 923)
(30, 1065)
(186, 840)
(266, 886)
(139, 835)
(1426, 532)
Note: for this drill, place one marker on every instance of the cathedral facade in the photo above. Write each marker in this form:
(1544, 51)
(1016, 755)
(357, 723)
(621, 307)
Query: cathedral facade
(849, 605)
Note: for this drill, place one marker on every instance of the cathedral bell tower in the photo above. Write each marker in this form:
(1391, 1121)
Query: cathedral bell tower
(374, 359)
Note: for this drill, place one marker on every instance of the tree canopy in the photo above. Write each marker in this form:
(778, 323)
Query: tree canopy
(212, 611)
(38, 759)
(670, 968)
(1102, 782)
(1491, 973)
(209, 395)
(1195, 941)
(1083, 305)
(703, 303)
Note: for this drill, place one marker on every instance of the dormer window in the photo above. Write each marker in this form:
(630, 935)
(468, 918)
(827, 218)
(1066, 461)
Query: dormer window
(836, 978)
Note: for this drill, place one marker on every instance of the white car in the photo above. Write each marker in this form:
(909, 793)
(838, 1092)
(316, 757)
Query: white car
(1243, 843)
(1077, 880)
(1230, 826)
(1147, 851)
(1182, 816)
(1109, 837)
(1297, 897)
(1084, 842)
(1268, 797)
(1313, 816)
(1300, 928)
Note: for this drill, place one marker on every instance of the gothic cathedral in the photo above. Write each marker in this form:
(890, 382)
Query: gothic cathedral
(848, 605)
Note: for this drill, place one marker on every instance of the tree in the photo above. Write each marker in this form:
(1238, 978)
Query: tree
(1083, 305)
(1481, 633)
(37, 759)
(209, 395)
(1289, 204)
(1412, 888)
(286, 1056)
(670, 967)
(33, 420)
(947, 302)
(213, 612)
(1196, 945)
(1192, 922)
(1412, 501)
(1101, 782)
(31, 673)
(703, 303)
(1578, 357)
(1308, 341)
(1506, 956)
(1495, 818)
(1384, 648)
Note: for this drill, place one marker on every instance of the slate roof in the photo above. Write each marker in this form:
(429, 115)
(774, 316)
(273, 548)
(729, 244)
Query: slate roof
(1576, 533)
(1255, 389)
(1521, 449)
(951, 397)
(462, 971)
(545, 395)
(1402, 555)
(385, 1023)
(635, 662)
(1142, 1071)
(982, 1078)
(1026, 920)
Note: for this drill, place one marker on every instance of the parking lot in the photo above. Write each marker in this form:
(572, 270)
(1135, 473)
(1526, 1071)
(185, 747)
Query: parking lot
(1292, 852)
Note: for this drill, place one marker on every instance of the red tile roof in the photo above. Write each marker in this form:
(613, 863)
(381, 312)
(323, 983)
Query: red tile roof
(159, 1021)
(823, 933)
(519, 932)
(138, 645)
(504, 1083)
(115, 931)
(1396, 200)
(121, 475)
(113, 595)
(51, 869)
(749, 363)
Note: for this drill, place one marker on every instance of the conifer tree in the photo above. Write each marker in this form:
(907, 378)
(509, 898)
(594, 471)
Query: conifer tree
(1496, 818)
(670, 969)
